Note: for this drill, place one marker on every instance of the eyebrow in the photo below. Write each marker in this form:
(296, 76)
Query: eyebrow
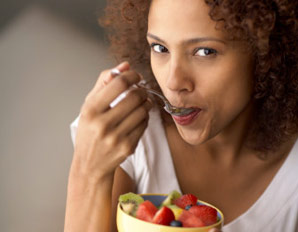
(189, 41)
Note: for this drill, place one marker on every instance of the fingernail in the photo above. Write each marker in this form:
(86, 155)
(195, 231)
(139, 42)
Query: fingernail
(124, 66)
(150, 101)
(149, 104)
(213, 230)
(115, 72)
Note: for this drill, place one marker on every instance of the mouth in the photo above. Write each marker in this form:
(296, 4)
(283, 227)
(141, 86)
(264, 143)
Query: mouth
(187, 118)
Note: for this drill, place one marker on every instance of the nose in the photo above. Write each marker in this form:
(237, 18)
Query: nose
(179, 77)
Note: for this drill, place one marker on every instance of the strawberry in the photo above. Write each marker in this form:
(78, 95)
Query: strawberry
(185, 200)
(164, 216)
(146, 211)
(190, 220)
(206, 213)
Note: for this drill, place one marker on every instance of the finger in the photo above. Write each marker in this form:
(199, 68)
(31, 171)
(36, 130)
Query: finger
(127, 145)
(130, 142)
(124, 66)
(131, 101)
(135, 135)
(105, 77)
(117, 86)
(134, 119)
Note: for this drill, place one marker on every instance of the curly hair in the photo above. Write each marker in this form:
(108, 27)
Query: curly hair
(270, 27)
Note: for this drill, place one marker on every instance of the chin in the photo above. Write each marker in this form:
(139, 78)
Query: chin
(193, 137)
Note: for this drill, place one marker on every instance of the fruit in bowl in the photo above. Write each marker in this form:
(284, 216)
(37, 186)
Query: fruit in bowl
(166, 213)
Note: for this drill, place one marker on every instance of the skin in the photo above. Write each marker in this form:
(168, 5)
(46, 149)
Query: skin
(220, 83)
(195, 66)
(105, 137)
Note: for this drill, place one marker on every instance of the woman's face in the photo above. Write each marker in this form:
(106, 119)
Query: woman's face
(197, 66)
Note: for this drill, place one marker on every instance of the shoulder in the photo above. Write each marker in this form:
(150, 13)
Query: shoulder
(277, 208)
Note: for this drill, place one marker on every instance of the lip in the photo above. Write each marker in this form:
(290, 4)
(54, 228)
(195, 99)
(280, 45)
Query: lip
(187, 119)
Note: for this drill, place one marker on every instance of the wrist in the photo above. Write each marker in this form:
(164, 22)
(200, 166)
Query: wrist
(80, 171)
(82, 181)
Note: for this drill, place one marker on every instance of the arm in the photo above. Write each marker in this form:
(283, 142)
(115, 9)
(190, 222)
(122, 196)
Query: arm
(88, 205)
(105, 137)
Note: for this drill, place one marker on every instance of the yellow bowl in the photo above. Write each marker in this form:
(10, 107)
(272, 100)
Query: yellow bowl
(127, 223)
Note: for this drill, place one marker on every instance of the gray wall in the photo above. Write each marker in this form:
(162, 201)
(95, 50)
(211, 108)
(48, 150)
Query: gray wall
(47, 66)
(83, 13)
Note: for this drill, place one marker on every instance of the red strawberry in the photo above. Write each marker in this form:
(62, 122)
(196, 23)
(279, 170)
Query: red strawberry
(164, 216)
(146, 211)
(206, 213)
(185, 200)
(190, 220)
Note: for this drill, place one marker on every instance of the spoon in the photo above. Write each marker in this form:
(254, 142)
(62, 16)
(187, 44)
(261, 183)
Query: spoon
(173, 110)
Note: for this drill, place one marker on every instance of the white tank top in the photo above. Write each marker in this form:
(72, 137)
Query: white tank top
(151, 168)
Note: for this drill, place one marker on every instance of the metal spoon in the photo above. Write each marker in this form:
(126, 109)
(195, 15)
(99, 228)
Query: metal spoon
(173, 110)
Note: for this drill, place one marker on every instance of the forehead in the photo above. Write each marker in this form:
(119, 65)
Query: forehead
(181, 18)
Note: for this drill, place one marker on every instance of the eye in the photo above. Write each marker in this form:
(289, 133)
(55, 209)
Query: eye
(158, 48)
(205, 52)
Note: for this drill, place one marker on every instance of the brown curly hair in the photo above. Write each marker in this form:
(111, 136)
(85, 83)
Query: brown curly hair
(270, 27)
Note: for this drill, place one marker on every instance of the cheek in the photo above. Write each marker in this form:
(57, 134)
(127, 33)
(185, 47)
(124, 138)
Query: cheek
(237, 88)
(230, 95)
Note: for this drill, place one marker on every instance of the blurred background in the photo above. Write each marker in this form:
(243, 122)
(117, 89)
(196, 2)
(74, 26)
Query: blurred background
(51, 53)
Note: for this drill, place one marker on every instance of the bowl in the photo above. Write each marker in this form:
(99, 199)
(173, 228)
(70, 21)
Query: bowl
(128, 223)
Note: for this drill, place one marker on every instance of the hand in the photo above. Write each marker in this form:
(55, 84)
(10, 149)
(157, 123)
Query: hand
(106, 136)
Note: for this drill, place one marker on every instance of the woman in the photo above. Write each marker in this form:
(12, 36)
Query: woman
(234, 62)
